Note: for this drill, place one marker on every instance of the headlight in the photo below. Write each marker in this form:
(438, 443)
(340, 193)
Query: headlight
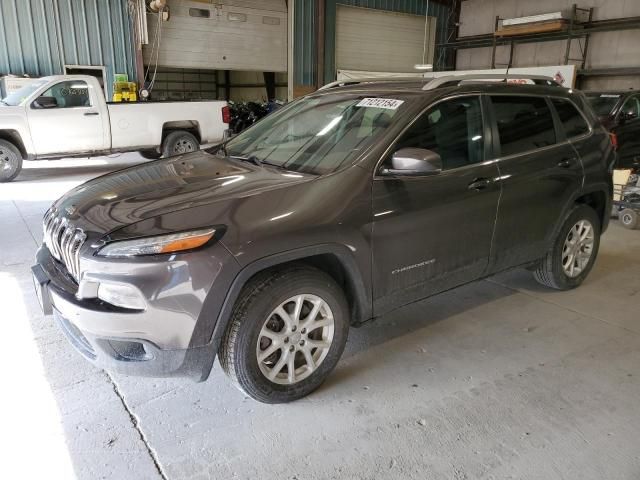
(175, 242)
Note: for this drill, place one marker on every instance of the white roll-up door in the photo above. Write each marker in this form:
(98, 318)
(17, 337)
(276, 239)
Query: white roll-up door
(377, 40)
(229, 35)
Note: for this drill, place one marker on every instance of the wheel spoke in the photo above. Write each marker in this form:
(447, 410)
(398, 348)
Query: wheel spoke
(321, 344)
(286, 318)
(268, 352)
(325, 322)
(279, 365)
(309, 358)
(298, 309)
(291, 367)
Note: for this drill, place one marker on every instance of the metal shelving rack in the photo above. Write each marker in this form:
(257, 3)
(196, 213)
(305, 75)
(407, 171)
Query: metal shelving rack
(576, 30)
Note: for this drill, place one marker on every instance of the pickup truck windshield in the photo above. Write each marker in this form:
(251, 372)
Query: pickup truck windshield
(16, 98)
(316, 135)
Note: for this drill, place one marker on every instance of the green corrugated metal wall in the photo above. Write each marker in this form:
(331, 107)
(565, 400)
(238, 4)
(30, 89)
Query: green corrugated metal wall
(305, 21)
(40, 37)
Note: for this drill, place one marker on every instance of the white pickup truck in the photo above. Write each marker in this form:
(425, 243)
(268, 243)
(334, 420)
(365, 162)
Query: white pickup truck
(67, 116)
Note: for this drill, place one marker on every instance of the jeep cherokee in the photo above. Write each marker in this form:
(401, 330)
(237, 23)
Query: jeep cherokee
(339, 208)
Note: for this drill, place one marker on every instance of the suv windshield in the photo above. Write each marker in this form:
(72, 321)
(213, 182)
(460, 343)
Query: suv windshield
(17, 97)
(316, 135)
(603, 103)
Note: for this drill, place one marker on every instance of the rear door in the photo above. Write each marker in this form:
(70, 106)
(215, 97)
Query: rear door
(432, 233)
(540, 172)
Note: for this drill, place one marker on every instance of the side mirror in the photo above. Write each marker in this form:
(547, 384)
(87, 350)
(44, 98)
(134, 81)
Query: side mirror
(45, 102)
(414, 161)
(626, 117)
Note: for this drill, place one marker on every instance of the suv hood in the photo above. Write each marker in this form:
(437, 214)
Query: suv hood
(149, 190)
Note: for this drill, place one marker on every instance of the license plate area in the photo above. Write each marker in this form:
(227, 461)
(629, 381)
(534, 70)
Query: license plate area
(41, 286)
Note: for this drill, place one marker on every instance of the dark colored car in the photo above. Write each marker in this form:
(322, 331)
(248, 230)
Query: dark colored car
(338, 208)
(619, 112)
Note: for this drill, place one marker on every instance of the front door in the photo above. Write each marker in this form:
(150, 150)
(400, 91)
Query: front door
(71, 124)
(434, 232)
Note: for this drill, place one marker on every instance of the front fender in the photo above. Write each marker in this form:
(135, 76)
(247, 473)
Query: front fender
(219, 320)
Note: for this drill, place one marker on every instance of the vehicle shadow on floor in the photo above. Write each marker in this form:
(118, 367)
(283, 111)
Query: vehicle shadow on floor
(406, 321)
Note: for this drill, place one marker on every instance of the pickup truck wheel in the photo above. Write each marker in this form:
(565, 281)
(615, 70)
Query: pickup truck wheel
(10, 161)
(150, 154)
(574, 251)
(286, 334)
(628, 218)
(179, 143)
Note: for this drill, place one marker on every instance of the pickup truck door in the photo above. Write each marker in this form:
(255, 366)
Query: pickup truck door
(432, 233)
(67, 118)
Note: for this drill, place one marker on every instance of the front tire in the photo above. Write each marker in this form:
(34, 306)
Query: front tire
(179, 142)
(286, 334)
(574, 251)
(10, 161)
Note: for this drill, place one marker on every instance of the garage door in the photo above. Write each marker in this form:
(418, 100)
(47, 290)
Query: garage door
(376, 40)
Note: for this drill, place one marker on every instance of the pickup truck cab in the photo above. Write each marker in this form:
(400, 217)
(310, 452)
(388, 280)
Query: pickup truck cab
(338, 208)
(67, 116)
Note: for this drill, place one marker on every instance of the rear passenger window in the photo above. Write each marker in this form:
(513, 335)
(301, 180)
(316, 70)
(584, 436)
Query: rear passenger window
(524, 123)
(453, 129)
(573, 122)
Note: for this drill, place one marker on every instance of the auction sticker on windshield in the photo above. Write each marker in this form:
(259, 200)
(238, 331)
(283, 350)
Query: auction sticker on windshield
(388, 103)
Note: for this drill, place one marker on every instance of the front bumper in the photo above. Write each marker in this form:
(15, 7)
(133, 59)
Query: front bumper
(164, 339)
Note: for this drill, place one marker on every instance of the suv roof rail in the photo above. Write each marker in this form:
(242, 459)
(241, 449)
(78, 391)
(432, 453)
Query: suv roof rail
(355, 81)
(436, 82)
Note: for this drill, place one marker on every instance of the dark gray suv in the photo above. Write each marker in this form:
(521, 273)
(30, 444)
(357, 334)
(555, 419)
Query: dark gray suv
(342, 206)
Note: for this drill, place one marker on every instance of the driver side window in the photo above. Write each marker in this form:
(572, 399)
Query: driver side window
(68, 94)
(453, 129)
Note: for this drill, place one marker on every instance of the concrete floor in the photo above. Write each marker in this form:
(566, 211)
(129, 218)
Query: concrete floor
(498, 379)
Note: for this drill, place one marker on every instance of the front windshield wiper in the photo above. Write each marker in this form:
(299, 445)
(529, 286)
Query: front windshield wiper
(250, 158)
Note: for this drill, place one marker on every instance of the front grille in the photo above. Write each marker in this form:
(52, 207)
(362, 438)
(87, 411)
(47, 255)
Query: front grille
(63, 241)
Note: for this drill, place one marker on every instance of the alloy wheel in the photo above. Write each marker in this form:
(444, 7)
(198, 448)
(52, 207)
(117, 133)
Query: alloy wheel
(578, 248)
(295, 339)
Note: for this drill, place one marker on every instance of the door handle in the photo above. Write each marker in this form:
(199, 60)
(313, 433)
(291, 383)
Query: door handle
(479, 184)
(89, 114)
(565, 162)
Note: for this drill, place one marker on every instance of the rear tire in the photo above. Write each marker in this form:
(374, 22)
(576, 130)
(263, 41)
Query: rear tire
(628, 218)
(150, 154)
(10, 161)
(179, 142)
(574, 251)
(260, 343)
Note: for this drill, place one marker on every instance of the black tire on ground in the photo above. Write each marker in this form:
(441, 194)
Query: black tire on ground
(179, 142)
(260, 297)
(549, 270)
(628, 218)
(150, 154)
(10, 161)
